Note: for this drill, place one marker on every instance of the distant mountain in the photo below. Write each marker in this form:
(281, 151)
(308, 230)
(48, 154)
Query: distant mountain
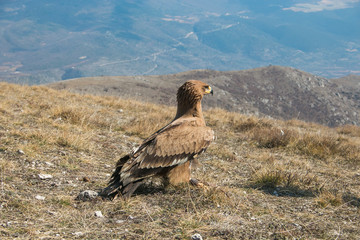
(349, 86)
(46, 41)
(278, 92)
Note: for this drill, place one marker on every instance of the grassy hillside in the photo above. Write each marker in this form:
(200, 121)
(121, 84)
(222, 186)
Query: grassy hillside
(268, 179)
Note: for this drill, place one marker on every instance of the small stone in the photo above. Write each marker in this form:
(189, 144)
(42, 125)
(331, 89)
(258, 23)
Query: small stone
(51, 213)
(78, 233)
(119, 221)
(38, 197)
(196, 236)
(99, 214)
(87, 195)
(20, 152)
(45, 176)
(86, 179)
(49, 164)
(55, 184)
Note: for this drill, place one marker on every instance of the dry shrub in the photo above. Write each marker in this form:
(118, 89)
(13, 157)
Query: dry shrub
(219, 118)
(318, 146)
(327, 198)
(304, 125)
(268, 179)
(69, 114)
(272, 137)
(287, 182)
(252, 122)
(351, 130)
(85, 117)
(350, 152)
(145, 124)
(222, 152)
(75, 140)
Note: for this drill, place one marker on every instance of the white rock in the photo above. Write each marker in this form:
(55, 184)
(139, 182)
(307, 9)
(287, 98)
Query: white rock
(99, 214)
(21, 152)
(87, 195)
(45, 176)
(120, 221)
(49, 164)
(196, 236)
(38, 197)
(78, 233)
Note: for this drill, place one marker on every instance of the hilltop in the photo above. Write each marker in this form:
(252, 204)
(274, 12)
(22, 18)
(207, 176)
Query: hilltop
(275, 91)
(271, 179)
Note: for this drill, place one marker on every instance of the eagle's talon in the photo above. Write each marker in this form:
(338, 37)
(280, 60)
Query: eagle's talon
(194, 181)
(197, 183)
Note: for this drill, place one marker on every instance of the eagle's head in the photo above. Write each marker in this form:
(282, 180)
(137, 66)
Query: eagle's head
(193, 91)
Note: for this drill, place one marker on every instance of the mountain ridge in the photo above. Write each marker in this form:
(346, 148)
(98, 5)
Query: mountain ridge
(275, 91)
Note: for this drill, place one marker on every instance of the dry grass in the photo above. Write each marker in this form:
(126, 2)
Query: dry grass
(269, 179)
(351, 130)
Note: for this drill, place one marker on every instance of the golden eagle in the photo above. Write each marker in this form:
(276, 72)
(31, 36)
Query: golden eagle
(169, 151)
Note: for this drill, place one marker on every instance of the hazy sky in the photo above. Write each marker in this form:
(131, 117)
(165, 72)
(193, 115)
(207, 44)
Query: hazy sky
(317, 6)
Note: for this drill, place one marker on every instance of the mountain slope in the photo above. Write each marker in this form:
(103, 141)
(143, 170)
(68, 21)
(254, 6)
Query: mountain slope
(268, 178)
(279, 92)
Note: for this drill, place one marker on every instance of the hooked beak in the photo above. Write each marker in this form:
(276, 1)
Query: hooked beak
(209, 90)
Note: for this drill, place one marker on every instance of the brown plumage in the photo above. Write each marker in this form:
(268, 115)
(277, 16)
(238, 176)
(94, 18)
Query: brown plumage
(169, 151)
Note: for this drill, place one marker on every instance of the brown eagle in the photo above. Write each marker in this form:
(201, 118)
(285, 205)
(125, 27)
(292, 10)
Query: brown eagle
(169, 151)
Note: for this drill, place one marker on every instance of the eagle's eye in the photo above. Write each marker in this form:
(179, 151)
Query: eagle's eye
(207, 89)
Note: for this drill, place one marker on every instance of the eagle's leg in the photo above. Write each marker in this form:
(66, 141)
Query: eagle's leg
(179, 174)
(197, 183)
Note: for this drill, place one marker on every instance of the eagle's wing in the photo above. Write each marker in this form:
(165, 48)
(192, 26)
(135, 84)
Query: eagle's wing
(169, 147)
(174, 145)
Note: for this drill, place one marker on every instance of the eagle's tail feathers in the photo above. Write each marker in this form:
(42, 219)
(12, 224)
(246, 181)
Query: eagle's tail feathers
(115, 184)
(130, 189)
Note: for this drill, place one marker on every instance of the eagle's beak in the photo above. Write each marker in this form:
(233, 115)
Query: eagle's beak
(209, 90)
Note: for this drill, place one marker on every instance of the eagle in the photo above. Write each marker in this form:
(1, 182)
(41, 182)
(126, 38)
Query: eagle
(170, 151)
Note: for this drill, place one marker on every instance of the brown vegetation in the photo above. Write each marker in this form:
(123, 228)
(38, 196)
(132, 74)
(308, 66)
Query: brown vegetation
(269, 179)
